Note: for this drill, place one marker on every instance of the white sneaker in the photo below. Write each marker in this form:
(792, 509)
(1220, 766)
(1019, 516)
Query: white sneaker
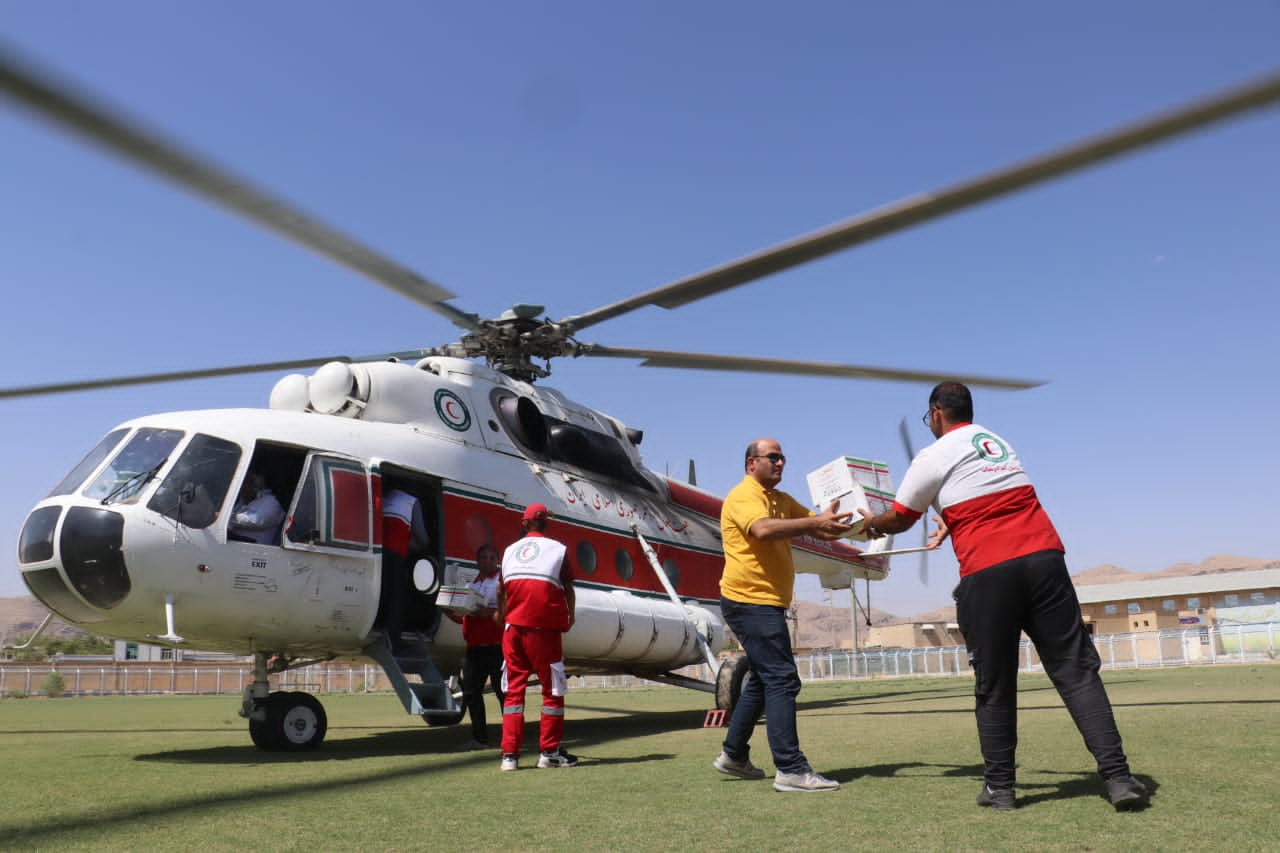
(510, 762)
(806, 781)
(557, 758)
(741, 769)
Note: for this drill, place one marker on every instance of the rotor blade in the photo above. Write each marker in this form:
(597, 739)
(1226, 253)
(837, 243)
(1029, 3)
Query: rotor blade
(208, 373)
(708, 361)
(905, 435)
(75, 112)
(906, 439)
(922, 208)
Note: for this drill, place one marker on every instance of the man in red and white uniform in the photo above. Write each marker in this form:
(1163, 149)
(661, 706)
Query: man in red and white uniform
(536, 599)
(1013, 579)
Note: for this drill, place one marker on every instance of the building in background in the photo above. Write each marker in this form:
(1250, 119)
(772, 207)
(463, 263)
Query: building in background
(1239, 606)
(915, 635)
(1243, 608)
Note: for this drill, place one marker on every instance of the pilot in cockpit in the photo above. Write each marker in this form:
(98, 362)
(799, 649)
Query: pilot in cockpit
(257, 515)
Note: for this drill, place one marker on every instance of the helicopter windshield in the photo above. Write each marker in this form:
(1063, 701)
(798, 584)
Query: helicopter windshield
(193, 492)
(89, 463)
(134, 465)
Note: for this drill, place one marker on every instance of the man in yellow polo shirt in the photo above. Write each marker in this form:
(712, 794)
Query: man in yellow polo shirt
(757, 524)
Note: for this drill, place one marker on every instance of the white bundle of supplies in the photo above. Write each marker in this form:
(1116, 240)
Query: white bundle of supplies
(858, 484)
(454, 593)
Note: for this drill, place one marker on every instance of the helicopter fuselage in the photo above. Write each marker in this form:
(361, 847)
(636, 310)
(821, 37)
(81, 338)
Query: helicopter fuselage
(140, 530)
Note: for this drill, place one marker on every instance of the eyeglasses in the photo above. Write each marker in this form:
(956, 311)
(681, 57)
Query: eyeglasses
(775, 458)
(927, 414)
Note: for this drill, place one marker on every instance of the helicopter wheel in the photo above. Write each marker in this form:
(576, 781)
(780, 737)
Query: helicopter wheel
(260, 732)
(733, 675)
(295, 722)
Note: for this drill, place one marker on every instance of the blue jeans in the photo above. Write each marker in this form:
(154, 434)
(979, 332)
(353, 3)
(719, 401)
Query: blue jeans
(771, 687)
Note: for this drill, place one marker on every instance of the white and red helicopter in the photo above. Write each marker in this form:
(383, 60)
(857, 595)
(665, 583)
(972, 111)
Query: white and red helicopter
(134, 542)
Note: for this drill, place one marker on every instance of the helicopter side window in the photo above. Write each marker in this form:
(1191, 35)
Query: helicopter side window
(134, 466)
(333, 507)
(300, 527)
(89, 463)
(196, 488)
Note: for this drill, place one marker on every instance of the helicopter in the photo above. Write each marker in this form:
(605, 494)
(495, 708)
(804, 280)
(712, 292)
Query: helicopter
(134, 543)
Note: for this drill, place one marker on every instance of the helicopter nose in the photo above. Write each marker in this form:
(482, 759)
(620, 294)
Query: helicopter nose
(89, 549)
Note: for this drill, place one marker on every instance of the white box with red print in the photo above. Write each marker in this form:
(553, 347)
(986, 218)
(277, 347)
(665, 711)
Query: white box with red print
(857, 483)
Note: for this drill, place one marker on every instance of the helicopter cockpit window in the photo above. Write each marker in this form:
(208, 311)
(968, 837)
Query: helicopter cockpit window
(134, 466)
(89, 463)
(196, 488)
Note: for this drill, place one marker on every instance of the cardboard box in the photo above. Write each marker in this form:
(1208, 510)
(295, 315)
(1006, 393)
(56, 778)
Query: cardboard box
(857, 483)
(460, 599)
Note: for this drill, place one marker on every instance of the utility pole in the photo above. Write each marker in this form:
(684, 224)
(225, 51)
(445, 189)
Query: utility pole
(853, 615)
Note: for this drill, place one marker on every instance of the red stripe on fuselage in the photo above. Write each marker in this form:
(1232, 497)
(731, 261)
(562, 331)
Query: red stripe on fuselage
(472, 522)
(703, 503)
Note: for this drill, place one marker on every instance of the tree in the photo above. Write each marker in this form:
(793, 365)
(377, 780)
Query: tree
(54, 685)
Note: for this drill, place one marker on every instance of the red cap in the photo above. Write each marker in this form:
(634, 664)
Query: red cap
(533, 511)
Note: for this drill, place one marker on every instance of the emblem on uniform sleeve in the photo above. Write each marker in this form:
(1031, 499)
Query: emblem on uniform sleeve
(452, 410)
(990, 448)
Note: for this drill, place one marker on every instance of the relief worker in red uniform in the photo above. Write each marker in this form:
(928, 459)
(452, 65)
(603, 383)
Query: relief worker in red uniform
(536, 599)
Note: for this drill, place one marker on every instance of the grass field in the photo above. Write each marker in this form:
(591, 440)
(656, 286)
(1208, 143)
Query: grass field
(146, 773)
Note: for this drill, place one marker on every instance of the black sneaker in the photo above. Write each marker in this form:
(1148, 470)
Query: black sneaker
(558, 758)
(1126, 792)
(1000, 799)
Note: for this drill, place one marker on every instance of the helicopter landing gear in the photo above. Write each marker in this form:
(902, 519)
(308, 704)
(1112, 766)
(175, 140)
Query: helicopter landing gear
(292, 721)
(283, 721)
(733, 674)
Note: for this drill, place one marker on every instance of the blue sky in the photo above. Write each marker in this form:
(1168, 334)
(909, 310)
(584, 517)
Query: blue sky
(573, 154)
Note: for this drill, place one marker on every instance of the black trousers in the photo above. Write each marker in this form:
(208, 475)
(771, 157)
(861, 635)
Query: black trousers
(395, 588)
(481, 664)
(1032, 594)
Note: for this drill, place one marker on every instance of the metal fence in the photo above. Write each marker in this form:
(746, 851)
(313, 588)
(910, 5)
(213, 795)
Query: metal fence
(180, 678)
(1201, 645)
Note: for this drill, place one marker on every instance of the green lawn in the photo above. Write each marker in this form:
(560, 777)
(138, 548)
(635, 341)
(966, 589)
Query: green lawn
(146, 773)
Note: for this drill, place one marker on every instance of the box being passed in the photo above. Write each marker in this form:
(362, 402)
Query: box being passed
(454, 593)
(857, 483)
(460, 599)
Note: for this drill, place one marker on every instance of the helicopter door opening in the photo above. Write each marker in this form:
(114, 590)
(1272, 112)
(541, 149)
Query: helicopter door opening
(269, 485)
(413, 581)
